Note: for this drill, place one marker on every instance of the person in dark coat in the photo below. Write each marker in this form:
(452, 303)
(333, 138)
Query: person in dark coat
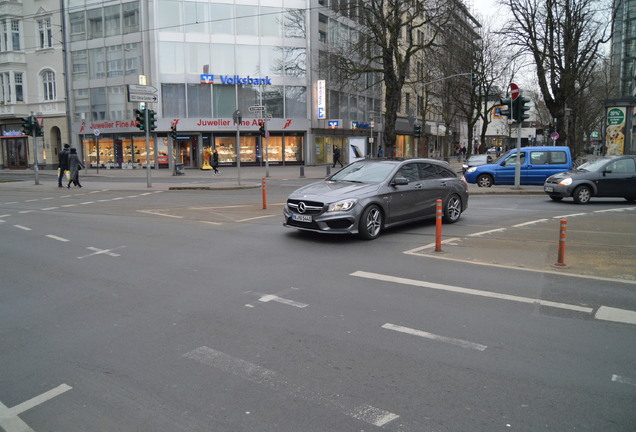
(74, 166)
(215, 161)
(62, 164)
(336, 156)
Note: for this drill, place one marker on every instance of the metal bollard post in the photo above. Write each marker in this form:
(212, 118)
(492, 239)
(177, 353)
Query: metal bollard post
(302, 171)
(561, 254)
(438, 226)
(264, 183)
(328, 170)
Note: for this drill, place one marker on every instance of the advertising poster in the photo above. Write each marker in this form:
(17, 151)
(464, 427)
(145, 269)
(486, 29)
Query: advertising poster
(615, 132)
(357, 149)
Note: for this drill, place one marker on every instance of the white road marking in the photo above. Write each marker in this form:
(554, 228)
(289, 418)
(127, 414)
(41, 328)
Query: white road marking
(32, 200)
(4, 215)
(23, 227)
(50, 208)
(47, 198)
(156, 213)
(478, 234)
(9, 420)
(54, 237)
(219, 207)
(427, 335)
(257, 217)
(68, 205)
(607, 313)
(12, 202)
(460, 290)
(275, 298)
(260, 375)
(25, 211)
(529, 223)
(97, 251)
(623, 380)
(569, 215)
(431, 245)
(212, 223)
(87, 202)
(617, 210)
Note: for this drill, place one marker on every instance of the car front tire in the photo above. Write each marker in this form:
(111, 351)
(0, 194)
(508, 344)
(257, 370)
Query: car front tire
(370, 223)
(452, 209)
(582, 194)
(484, 180)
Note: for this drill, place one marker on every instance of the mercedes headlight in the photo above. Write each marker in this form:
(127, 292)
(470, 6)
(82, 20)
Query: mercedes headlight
(566, 181)
(343, 205)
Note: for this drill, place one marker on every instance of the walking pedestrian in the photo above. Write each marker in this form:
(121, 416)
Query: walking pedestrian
(62, 165)
(74, 166)
(215, 161)
(336, 156)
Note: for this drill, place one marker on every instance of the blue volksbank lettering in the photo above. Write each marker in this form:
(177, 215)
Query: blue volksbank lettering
(235, 79)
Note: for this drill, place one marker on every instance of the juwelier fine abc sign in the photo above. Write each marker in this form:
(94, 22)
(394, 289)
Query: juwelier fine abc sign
(235, 79)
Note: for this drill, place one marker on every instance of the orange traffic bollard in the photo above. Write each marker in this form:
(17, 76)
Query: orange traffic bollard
(438, 226)
(264, 183)
(561, 255)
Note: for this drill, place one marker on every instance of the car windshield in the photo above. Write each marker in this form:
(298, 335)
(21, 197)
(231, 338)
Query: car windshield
(480, 158)
(594, 165)
(365, 172)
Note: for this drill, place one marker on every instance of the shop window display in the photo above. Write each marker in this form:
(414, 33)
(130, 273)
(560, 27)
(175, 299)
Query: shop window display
(227, 154)
(118, 152)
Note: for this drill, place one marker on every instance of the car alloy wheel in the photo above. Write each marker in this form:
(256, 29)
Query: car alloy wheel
(484, 180)
(370, 222)
(582, 195)
(453, 209)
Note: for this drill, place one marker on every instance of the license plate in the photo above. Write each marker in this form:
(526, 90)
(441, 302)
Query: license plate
(301, 218)
(548, 189)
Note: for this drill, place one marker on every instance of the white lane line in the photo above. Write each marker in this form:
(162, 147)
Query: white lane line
(54, 237)
(254, 218)
(12, 202)
(4, 215)
(529, 223)
(25, 211)
(569, 215)
(427, 335)
(212, 223)
(275, 298)
(32, 200)
(623, 380)
(87, 202)
(23, 228)
(460, 290)
(617, 210)
(219, 207)
(9, 420)
(68, 205)
(47, 198)
(607, 313)
(487, 232)
(259, 375)
(50, 208)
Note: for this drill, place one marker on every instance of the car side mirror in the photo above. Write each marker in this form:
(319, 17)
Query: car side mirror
(606, 172)
(400, 181)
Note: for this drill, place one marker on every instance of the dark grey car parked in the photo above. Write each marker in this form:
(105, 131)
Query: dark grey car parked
(610, 176)
(370, 195)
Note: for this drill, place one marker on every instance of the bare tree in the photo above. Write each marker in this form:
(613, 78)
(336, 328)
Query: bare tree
(386, 37)
(564, 39)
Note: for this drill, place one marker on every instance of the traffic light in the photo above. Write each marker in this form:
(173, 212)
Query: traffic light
(417, 130)
(506, 109)
(38, 130)
(27, 126)
(521, 107)
(173, 132)
(140, 116)
(473, 79)
(152, 120)
(261, 130)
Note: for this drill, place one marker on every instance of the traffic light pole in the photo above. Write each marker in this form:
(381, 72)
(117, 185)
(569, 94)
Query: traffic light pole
(36, 169)
(518, 163)
(147, 123)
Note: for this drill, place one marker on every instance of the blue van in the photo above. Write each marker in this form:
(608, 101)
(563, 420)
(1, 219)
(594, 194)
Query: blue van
(537, 164)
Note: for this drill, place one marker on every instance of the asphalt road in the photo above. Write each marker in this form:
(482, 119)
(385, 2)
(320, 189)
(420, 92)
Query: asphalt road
(197, 311)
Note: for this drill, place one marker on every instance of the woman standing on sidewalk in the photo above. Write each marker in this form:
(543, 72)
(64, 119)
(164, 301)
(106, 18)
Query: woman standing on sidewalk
(74, 166)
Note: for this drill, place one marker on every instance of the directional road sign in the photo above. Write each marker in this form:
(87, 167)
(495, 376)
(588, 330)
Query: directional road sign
(141, 93)
(256, 108)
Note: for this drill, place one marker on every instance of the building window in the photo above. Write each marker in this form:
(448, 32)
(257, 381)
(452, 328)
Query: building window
(78, 26)
(112, 20)
(48, 85)
(10, 38)
(45, 36)
(15, 34)
(131, 17)
(19, 93)
(79, 65)
(5, 87)
(95, 23)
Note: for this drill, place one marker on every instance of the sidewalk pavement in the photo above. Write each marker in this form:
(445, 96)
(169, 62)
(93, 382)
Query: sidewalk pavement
(250, 177)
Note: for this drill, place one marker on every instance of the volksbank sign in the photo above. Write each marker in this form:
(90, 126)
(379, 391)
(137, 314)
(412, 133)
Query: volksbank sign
(235, 79)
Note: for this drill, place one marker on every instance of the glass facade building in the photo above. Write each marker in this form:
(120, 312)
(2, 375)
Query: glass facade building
(207, 60)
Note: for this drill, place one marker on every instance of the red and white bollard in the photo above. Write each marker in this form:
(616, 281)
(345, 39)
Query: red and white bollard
(438, 225)
(264, 188)
(561, 254)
